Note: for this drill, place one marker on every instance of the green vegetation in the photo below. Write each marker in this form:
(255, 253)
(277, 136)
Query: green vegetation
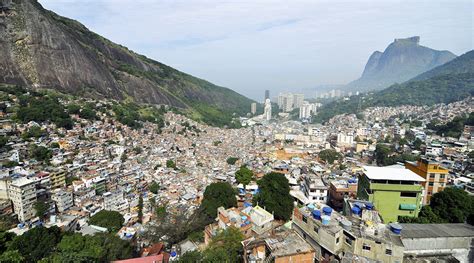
(154, 187)
(454, 128)
(275, 195)
(34, 132)
(170, 164)
(41, 208)
(244, 175)
(384, 155)
(216, 195)
(232, 160)
(40, 153)
(98, 248)
(451, 205)
(329, 156)
(226, 246)
(132, 114)
(36, 243)
(41, 108)
(112, 220)
(140, 209)
(42, 244)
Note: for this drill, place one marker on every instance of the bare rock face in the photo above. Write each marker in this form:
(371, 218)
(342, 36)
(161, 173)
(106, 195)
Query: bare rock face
(40, 49)
(402, 60)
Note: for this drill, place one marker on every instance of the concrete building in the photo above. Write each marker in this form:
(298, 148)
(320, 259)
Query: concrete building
(339, 190)
(267, 94)
(22, 192)
(425, 242)
(267, 110)
(231, 217)
(345, 139)
(435, 175)
(58, 179)
(359, 237)
(115, 201)
(394, 191)
(314, 189)
(253, 108)
(283, 246)
(262, 220)
(298, 100)
(63, 199)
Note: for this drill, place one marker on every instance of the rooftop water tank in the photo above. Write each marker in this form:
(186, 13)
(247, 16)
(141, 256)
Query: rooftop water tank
(317, 214)
(356, 210)
(325, 220)
(346, 224)
(311, 207)
(327, 210)
(359, 205)
(369, 206)
(173, 254)
(395, 228)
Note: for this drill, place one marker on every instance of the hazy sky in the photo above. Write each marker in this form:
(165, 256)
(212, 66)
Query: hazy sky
(289, 45)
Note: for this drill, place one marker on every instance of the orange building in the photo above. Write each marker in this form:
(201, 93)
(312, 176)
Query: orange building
(435, 175)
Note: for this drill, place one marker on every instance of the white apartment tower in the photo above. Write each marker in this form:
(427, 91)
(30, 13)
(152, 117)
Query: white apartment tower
(267, 111)
(22, 192)
(253, 108)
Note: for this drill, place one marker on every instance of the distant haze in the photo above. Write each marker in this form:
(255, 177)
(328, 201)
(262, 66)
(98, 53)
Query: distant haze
(251, 46)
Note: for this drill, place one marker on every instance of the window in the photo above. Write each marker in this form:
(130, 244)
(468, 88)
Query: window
(432, 175)
(442, 176)
(388, 252)
(305, 219)
(431, 184)
(348, 241)
(316, 229)
(337, 240)
(408, 194)
(366, 247)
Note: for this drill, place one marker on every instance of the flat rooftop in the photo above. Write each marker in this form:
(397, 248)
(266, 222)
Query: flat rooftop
(391, 174)
(436, 230)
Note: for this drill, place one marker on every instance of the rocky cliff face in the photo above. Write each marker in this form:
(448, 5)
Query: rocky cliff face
(402, 60)
(40, 49)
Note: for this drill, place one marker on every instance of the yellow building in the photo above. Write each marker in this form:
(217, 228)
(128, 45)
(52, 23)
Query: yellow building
(58, 179)
(435, 175)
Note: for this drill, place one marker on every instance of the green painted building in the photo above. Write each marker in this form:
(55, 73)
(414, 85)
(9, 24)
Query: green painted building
(394, 191)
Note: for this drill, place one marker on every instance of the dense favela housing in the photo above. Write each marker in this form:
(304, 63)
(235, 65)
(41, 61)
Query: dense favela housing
(352, 190)
(107, 155)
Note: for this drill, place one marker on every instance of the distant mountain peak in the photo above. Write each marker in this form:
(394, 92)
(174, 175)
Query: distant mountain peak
(410, 40)
(402, 60)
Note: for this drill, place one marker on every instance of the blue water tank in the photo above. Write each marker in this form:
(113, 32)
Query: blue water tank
(173, 253)
(356, 210)
(311, 207)
(369, 206)
(396, 228)
(327, 210)
(247, 204)
(325, 220)
(317, 214)
(359, 205)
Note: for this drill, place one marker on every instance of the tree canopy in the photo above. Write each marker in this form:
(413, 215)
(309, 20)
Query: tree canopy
(275, 195)
(112, 220)
(154, 187)
(329, 155)
(451, 205)
(244, 175)
(36, 243)
(217, 195)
